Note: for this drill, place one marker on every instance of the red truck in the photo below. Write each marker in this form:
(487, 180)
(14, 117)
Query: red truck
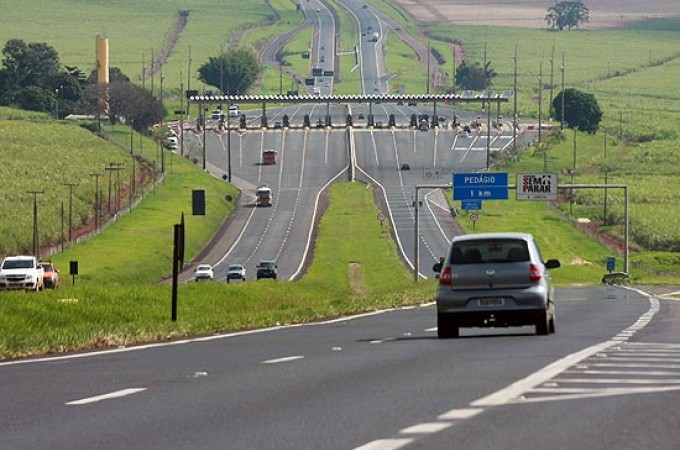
(269, 157)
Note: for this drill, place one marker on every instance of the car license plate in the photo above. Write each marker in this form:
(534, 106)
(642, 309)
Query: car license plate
(491, 301)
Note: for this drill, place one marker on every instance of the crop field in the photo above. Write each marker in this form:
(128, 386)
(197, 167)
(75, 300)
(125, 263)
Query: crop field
(44, 157)
(531, 13)
(137, 31)
(630, 69)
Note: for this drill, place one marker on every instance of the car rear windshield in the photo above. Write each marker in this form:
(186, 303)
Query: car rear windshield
(489, 251)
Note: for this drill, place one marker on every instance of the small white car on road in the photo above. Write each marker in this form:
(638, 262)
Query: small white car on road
(236, 272)
(203, 273)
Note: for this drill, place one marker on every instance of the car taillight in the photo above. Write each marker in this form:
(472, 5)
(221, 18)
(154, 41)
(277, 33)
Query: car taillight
(534, 273)
(445, 277)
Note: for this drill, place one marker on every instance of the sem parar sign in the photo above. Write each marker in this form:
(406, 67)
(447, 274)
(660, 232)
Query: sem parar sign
(536, 186)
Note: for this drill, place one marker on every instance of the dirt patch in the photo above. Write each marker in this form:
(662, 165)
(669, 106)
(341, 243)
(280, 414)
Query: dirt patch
(168, 46)
(531, 13)
(356, 281)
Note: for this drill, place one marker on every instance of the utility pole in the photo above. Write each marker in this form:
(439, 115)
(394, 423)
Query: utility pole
(488, 113)
(153, 63)
(181, 115)
(428, 68)
(453, 77)
(550, 98)
(514, 108)
(228, 144)
(562, 116)
(540, 101)
(97, 199)
(202, 112)
(114, 167)
(188, 79)
(35, 221)
(70, 209)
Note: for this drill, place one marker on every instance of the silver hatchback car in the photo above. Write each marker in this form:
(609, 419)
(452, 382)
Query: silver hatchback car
(494, 280)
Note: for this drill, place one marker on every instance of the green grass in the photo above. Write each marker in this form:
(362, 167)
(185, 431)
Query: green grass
(102, 310)
(349, 80)
(583, 260)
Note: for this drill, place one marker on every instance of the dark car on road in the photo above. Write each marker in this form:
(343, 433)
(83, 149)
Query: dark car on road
(266, 269)
(494, 280)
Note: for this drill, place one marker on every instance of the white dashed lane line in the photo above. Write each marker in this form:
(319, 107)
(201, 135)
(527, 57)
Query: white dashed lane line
(282, 360)
(109, 396)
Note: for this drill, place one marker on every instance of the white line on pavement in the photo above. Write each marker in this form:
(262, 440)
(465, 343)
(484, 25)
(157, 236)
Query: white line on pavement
(98, 398)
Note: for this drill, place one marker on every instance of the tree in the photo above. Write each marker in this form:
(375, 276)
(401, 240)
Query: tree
(32, 79)
(135, 105)
(567, 14)
(34, 64)
(232, 72)
(474, 77)
(580, 110)
(35, 98)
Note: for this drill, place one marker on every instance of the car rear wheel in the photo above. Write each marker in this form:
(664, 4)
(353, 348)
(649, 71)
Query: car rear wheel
(543, 324)
(446, 327)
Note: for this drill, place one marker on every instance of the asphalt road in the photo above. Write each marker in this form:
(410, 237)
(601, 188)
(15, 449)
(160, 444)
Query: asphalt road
(311, 159)
(608, 379)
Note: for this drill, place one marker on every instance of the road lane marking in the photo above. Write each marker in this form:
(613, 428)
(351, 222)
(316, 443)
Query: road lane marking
(282, 360)
(109, 396)
(426, 428)
(386, 444)
(547, 376)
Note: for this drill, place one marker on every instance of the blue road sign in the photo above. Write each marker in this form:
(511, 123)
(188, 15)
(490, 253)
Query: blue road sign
(611, 263)
(474, 205)
(480, 186)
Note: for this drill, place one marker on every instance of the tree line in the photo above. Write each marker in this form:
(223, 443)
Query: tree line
(32, 78)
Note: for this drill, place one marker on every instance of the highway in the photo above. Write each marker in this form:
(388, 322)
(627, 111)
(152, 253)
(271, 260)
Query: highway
(608, 379)
(311, 158)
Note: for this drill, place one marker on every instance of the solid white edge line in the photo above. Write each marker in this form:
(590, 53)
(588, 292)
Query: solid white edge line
(109, 396)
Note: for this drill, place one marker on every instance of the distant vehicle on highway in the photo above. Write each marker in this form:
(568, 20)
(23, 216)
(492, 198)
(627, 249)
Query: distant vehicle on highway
(494, 280)
(170, 143)
(236, 272)
(269, 156)
(216, 114)
(263, 196)
(267, 269)
(203, 272)
(234, 110)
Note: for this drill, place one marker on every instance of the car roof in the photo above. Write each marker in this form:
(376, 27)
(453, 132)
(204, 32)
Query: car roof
(203, 266)
(503, 235)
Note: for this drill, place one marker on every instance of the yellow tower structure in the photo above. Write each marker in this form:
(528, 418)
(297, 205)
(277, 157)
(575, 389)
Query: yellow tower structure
(102, 49)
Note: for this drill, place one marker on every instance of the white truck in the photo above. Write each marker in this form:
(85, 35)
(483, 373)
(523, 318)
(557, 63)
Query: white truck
(21, 272)
(263, 196)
